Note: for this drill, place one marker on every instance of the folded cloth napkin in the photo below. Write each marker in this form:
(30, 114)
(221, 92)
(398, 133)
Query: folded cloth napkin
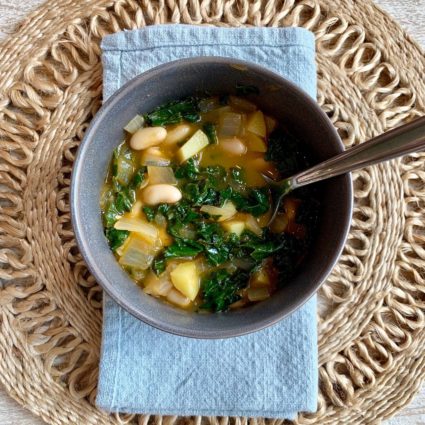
(271, 373)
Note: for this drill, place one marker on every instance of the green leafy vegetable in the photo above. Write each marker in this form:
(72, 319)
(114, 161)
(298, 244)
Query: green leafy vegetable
(285, 150)
(159, 265)
(122, 164)
(138, 178)
(246, 89)
(211, 131)
(175, 112)
(111, 214)
(124, 200)
(116, 237)
(264, 248)
(189, 170)
(201, 193)
(149, 213)
(238, 174)
(183, 248)
(255, 203)
(124, 183)
(220, 289)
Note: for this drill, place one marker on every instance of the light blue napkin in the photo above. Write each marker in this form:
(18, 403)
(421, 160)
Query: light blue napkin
(271, 373)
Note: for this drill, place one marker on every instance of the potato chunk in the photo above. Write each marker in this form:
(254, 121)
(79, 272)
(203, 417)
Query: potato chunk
(193, 146)
(255, 143)
(260, 279)
(234, 226)
(186, 279)
(257, 124)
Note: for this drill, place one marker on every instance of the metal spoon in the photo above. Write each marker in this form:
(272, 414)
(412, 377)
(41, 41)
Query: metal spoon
(397, 142)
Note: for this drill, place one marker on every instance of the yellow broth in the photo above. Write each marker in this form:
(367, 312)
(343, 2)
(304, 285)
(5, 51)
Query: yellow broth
(199, 239)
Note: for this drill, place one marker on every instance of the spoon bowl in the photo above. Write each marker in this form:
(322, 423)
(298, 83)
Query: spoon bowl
(392, 144)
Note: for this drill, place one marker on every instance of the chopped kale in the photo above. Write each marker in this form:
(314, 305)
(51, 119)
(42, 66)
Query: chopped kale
(255, 203)
(122, 197)
(149, 213)
(211, 132)
(220, 289)
(175, 112)
(138, 178)
(116, 237)
(159, 265)
(189, 170)
(182, 248)
(285, 150)
(238, 175)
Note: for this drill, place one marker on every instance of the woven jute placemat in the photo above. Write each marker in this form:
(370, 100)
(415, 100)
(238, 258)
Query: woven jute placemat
(372, 308)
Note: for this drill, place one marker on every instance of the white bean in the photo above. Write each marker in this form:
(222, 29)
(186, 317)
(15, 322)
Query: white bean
(147, 137)
(178, 134)
(233, 146)
(161, 194)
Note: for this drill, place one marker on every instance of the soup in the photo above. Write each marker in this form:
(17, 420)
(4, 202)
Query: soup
(186, 210)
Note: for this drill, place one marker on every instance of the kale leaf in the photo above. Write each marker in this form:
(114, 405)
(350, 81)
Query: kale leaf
(211, 132)
(189, 170)
(238, 175)
(138, 178)
(120, 203)
(149, 213)
(183, 248)
(174, 112)
(287, 153)
(116, 237)
(159, 265)
(256, 202)
(220, 289)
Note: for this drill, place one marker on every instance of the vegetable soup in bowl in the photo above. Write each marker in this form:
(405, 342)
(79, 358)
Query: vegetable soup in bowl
(171, 211)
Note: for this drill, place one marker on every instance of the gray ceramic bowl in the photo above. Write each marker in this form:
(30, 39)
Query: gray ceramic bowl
(182, 78)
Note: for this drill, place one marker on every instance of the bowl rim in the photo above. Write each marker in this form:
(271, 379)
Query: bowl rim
(83, 240)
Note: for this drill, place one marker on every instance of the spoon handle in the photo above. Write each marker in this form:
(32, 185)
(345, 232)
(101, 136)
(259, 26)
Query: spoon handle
(397, 142)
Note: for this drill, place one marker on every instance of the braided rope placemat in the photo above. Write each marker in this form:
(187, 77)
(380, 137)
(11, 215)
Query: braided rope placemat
(372, 308)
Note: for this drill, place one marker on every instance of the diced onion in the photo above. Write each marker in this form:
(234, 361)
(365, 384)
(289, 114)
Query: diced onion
(134, 124)
(105, 196)
(177, 298)
(225, 212)
(229, 124)
(253, 226)
(125, 169)
(258, 294)
(157, 285)
(238, 304)
(147, 231)
(153, 156)
(135, 209)
(161, 175)
(137, 274)
(138, 253)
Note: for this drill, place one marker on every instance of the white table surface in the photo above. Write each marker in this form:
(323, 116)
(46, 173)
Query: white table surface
(410, 14)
